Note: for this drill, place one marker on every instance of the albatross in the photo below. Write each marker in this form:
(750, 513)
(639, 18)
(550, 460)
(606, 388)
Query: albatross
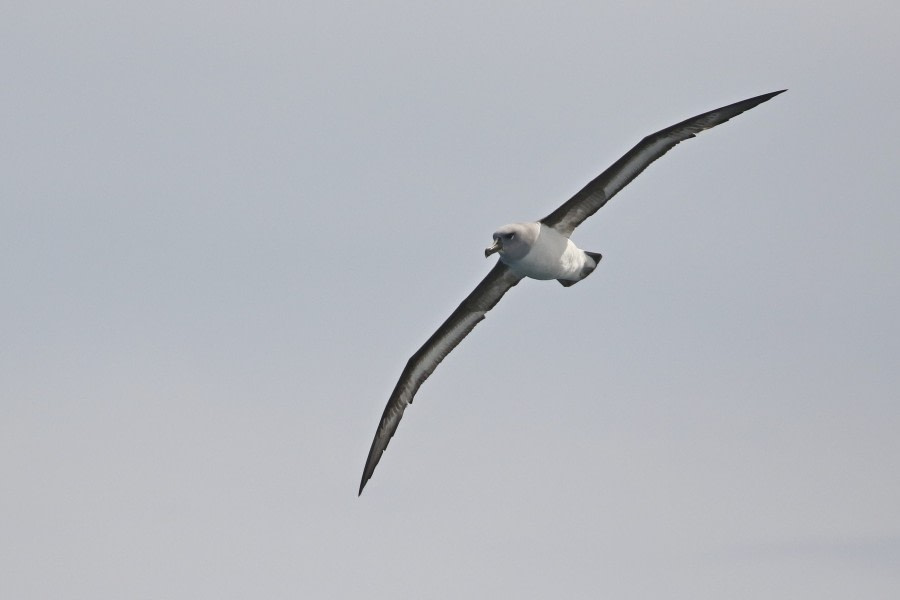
(539, 250)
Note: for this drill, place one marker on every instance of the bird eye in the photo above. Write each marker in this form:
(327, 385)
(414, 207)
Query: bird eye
(510, 236)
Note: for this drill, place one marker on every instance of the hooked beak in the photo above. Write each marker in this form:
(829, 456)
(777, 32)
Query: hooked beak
(495, 248)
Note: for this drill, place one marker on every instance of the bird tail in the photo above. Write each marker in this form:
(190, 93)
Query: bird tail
(589, 266)
(596, 256)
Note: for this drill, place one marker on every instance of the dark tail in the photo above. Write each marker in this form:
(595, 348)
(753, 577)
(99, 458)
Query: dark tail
(587, 270)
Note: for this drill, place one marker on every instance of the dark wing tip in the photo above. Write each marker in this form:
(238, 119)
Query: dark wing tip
(379, 445)
(763, 97)
(362, 484)
(767, 97)
(755, 101)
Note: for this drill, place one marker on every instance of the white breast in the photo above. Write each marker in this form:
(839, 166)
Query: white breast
(552, 256)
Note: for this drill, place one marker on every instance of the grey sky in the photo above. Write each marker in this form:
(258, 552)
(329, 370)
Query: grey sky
(226, 226)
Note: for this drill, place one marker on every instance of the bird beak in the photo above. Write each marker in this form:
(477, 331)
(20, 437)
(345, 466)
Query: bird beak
(495, 248)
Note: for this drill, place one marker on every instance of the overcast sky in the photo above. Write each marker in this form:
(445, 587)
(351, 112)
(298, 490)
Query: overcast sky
(225, 226)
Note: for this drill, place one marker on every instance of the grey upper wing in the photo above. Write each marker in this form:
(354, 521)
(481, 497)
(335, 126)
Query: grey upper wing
(466, 316)
(599, 191)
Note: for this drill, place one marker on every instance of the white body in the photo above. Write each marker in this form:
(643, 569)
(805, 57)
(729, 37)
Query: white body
(552, 256)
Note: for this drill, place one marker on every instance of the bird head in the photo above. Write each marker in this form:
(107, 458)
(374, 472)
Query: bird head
(513, 241)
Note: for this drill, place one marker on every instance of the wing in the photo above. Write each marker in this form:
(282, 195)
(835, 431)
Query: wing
(423, 363)
(599, 191)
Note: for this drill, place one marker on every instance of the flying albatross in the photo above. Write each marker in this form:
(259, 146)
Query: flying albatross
(540, 250)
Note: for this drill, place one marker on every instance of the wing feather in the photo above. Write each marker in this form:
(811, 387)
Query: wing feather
(423, 363)
(599, 191)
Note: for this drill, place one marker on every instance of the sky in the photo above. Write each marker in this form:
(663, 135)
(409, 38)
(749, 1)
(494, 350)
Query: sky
(225, 227)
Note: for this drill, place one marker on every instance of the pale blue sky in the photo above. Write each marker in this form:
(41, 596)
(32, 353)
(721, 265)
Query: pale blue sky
(226, 226)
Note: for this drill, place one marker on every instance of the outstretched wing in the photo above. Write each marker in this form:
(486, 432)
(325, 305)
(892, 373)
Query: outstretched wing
(423, 363)
(599, 191)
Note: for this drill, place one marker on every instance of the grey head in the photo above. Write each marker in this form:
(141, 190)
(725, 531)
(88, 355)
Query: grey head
(514, 241)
